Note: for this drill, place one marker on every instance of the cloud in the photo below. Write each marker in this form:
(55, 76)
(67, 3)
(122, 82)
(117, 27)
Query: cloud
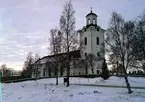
(25, 24)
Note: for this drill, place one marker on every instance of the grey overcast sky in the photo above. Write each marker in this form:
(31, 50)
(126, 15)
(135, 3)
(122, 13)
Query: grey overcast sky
(25, 24)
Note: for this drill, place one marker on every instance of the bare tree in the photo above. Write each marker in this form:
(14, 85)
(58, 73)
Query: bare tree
(67, 28)
(82, 63)
(27, 69)
(36, 57)
(91, 61)
(105, 72)
(36, 70)
(113, 61)
(55, 45)
(54, 50)
(139, 39)
(55, 41)
(3, 67)
(119, 42)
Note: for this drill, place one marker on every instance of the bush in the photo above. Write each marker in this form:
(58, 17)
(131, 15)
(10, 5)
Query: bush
(86, 76)
(13, 78)
(105, 72)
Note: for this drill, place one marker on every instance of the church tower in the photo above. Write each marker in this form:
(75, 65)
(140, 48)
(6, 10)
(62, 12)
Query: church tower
(92, 40)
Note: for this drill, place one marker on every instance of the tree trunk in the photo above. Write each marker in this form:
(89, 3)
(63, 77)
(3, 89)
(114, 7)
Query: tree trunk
(86, 67)
(92, 70)
(68, 62)
(61, 70)
(57, 73)
(92, 66)
(49, 71)
(126, 81)
(57, 77)
(36, 73)
(68, 67)
(117, 69)
(127, 84)
(56, 80)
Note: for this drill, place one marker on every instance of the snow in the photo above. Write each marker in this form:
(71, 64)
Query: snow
(45, 90)
(119, 81)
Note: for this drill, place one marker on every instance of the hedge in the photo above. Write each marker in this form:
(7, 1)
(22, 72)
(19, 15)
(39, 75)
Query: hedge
(8, 79)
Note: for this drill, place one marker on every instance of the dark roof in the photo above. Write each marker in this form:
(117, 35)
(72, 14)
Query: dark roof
(91, 13)
(85, 27)
(95, 25)
(73, 54)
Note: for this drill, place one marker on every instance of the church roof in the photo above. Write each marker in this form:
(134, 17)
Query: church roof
(91, 13)
(73, 54)
(85, 27)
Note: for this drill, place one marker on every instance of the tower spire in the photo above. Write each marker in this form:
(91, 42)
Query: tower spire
(91, 9)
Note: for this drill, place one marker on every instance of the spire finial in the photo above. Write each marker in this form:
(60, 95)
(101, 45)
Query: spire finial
(91, 9)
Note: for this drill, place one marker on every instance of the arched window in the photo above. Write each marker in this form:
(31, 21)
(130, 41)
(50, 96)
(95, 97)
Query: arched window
(85, 54)
(98, 72)
(94, 21)
(98, 54)
(85, 40)
(89, 22)
(97, 40)
(98, 29)
(43, 71)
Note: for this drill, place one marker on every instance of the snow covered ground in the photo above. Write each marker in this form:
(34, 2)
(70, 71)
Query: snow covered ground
(134, 81)
(44, 90)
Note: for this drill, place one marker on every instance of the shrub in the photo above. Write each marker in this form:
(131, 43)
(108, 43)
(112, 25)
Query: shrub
(105, 72)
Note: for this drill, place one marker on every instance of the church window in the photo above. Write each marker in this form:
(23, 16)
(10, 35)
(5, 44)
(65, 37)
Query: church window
(85, 40)
(85, 54)
(98, 29)
(98, 54)
(98, 72)
(94, 21)
(89, 21)
(97, 40)
(43, 71)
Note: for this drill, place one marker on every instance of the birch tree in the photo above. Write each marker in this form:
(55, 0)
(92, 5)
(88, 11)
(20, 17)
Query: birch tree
(67, 28)
(119, 42)
(55, 45)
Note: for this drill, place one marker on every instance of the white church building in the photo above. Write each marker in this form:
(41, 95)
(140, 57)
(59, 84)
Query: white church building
(92, 36)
